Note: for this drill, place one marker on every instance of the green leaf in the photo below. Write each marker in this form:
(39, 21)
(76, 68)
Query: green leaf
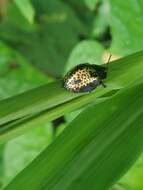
(93, 52)
(26, 9)
(50, 101)
(133, 179)
(101, 22)
(40, 106)
(45, 46)
(126, 20)
(95, 155)
(28, 146)
(91, 4)
(16, 73)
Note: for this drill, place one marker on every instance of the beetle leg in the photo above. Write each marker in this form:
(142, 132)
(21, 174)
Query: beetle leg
(101, 82)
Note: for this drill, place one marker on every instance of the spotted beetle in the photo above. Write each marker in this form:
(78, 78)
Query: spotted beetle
(85, 78)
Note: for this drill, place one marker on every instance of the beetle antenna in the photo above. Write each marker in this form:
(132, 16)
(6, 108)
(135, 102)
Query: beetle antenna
(108, 60)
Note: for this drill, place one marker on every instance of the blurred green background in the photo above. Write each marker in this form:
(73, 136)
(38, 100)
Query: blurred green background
(42, 39)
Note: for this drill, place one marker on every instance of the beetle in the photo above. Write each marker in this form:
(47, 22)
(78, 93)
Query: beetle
(85, 77)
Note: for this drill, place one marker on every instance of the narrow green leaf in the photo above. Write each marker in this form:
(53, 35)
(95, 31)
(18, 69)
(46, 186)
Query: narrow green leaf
(95, 155)
(53, 100)
(33, 101)
(18, 126)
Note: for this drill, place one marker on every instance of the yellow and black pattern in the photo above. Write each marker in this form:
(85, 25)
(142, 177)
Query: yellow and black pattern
(83, 78)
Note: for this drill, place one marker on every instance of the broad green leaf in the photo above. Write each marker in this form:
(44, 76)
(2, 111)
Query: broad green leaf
(28, 146)
(101, 23)
(95, 155)
(84, 13)
(50, 101)
(45, 46)
(91, 4)
(87, 51)
(126, 19)
(26, 9)
(16, 73)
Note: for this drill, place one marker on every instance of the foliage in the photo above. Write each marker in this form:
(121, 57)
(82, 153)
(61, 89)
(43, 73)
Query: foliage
(102, 132)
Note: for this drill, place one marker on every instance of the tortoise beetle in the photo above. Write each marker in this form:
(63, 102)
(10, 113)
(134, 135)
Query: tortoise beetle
(85, 78)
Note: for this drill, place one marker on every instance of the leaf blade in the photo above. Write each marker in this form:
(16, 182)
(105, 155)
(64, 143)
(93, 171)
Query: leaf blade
(72, 162)
(122, 73)
(26, 9)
